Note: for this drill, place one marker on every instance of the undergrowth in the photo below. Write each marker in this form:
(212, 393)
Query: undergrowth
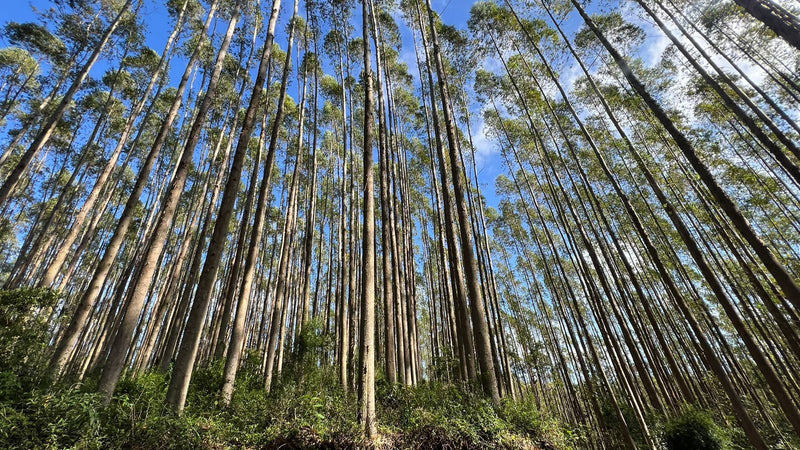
(307, 406)
(316, 412)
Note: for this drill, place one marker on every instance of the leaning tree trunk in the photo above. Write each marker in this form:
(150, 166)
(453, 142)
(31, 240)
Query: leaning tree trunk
(744, 419)
(476, 305)
(237, 334)
(187, 353)
(776, 18)
(159, 237)
(56, 264)
(93, 290)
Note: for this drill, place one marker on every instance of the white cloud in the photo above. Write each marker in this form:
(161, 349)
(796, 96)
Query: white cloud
(485, 148)
(654, 47)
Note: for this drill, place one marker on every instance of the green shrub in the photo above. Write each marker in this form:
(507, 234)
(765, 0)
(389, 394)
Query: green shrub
(444, 365)
(206, 385)
(525, 417)
(616, 428)
(307, 407)
(433, 414)
(138, 417)
(693, 430)
(62, 419)
(23, 338)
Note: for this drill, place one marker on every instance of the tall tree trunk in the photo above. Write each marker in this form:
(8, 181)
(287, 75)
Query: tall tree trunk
(465, 344)
(278, 311)
(366, 343)
(477, 311)
(187, 353)
(92, 292)
(237, 334)
(776, 18)
(158, 239)
(57, 262)
(744, 419)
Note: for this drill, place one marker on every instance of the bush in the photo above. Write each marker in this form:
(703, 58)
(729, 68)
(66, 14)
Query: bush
(54, 420)
(307, 407)
(23, 337)
(693, 430)
(312, 412)
(435, 415)
(138, 417)
(309, 413)
(524, 416)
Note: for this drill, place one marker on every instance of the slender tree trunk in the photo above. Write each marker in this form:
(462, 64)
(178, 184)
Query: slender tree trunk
(187, 353)
(479, 324)
(158, 239)
(744, 419)
(366, 348)
(237, 336)
(776, 18)
(57, 262)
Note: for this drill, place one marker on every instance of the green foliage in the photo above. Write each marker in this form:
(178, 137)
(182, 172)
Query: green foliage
(309, 411)
(624, 35)
(526, 418)
(614, 425)
(307, 406)
(62, 419)
(311, 342)
(694, 429)
(23, 337)
(139, 417)
(434, 415)
(36, 38)
(444, 365)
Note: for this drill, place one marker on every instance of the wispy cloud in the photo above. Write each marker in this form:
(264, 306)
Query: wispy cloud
(485, 148)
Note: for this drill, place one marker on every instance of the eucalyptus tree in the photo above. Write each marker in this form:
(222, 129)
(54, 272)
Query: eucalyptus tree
(366, 342)
(149, 259)
(19, 72)
(58, 260)
(739, 221)
(389, 257)
(640, 251)
(476, 305)
(313, 64)
(740, 113)
(714, 282)
(465, 343)
(777, 18)
(234, 350)
(694, 248)
(47, 47)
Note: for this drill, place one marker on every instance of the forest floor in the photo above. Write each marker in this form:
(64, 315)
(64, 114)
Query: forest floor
(306, 409)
